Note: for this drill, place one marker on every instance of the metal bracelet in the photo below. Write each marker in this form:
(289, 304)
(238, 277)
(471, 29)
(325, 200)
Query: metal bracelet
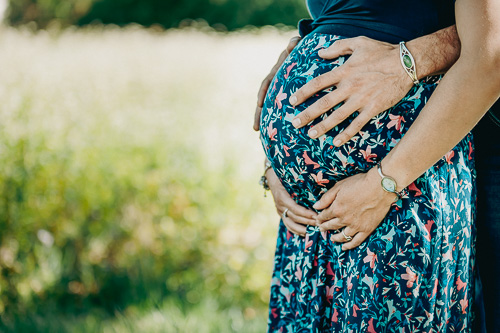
(408, 62)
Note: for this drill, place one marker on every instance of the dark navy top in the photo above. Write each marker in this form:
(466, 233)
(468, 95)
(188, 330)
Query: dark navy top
(387, 20)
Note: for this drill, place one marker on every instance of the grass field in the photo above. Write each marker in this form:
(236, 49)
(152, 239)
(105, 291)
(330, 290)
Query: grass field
(128, 174)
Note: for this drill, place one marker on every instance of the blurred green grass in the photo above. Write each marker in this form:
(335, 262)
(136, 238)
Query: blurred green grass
(128, 179)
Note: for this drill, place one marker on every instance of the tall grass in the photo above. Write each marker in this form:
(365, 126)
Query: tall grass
(128, 181)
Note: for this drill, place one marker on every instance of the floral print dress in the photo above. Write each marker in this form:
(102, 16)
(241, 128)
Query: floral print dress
(415, 272)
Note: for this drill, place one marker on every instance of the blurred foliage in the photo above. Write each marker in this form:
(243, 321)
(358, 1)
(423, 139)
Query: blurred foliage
(128, 180)
(221, 14)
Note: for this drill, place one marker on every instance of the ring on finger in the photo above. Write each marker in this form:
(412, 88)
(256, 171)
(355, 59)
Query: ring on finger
(347, 238)
(285, 213)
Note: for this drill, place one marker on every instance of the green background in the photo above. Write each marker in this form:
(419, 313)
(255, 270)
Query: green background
(129, 196)
(222, 14)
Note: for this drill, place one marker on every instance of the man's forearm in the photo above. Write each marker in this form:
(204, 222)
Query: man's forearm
(464, 95)
(435, 53)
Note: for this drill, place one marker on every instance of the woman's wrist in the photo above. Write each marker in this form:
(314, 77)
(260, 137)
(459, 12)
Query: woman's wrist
(398, 171)
(375, 183)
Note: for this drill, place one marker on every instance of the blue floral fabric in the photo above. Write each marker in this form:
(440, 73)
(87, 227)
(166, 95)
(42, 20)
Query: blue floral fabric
(415, 272)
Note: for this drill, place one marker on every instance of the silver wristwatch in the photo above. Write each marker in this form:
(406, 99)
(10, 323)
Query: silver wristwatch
(388, 183)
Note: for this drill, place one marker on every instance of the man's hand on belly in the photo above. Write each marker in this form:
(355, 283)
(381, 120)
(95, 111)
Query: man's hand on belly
(371, 81)
(357, 205)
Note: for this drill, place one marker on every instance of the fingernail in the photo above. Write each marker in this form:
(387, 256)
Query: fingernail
(337, 143)
(313, 133)
(293, 99)
(296, 122)
(321, 52)
(316, 205)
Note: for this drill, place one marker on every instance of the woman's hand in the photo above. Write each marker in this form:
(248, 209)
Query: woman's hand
(267, 81)
(297, 217)
(358, 204)
(370, 81)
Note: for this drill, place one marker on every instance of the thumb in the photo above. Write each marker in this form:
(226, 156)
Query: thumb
(256, 121)
(338, 48)
(293, 42)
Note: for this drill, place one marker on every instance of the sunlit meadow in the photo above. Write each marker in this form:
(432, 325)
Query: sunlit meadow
(128, 179)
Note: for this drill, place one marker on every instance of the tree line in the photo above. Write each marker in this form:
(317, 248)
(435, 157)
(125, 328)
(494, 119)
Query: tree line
(221, 14)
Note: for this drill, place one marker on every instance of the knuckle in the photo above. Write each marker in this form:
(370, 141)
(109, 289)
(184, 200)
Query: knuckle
(324, 103)
(339, 210)
(317, 83)
(299, 93)
(305, 116)
(346, 85)
(358, 123)
(338, 43)
(341, 114)
(322, 128)
(375, 107)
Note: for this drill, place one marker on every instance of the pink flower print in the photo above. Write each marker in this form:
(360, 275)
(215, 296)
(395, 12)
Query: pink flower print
(329, 292)
(371, 257)
(309, 161)
(415, 189)
(434, 290)
(410, 277)
(449, 155)
(428, 227)
(329, 271)
(369, 281)
(367, 154)
(308, 245)
(298, 273)
(395, 121)
(281, 96)
(285, 147)
(319, 179)
(349, 283)
(354, 308)
(271, 132)
(464, 303)
(460, 284)
(289, 69)
(371, 329)
(335, 316)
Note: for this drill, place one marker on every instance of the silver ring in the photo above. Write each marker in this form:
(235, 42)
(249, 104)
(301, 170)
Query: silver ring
(284, 215)
(347, 238)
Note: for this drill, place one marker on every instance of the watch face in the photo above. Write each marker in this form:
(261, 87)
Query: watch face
(389, 184)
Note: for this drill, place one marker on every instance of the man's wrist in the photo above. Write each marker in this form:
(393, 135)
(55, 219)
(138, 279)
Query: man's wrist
(435, 53)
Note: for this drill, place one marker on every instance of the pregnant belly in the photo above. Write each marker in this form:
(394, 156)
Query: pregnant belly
(308, 167)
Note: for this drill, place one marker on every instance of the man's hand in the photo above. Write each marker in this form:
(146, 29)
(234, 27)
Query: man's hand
(297, 216)
(357, 205)
(370, 81)
(267, 81)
